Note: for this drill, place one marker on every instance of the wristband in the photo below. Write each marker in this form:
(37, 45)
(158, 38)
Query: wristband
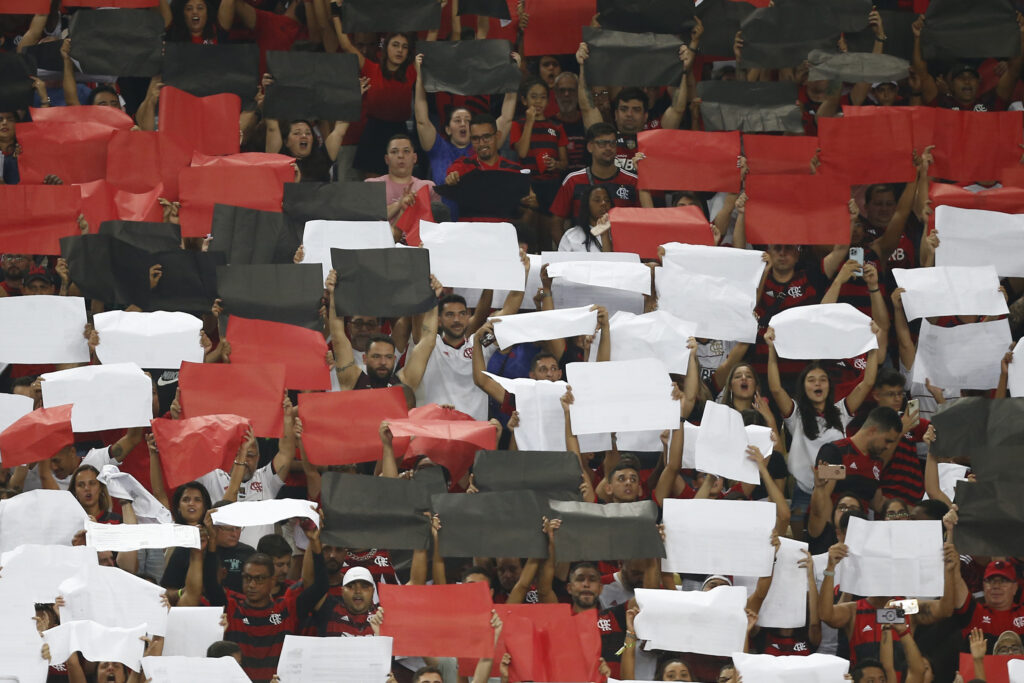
(872, 291)
(829, 572)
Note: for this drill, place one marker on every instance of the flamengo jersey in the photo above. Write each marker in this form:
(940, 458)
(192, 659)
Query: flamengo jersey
(448, 379)
(621, 188)
(264, 485)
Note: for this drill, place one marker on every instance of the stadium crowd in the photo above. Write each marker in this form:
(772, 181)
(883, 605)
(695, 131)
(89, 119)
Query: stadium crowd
(559, 157)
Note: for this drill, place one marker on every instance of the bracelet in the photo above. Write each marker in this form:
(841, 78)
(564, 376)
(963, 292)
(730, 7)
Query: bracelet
(239, 463)
(872, 291)
(829, 572)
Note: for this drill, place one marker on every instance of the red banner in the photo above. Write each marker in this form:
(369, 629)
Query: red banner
(409, 221)
(689, 160)
(302, 352)
(438, 437)
(192, 447)
(133, 161)
(35, 217)
(206, 124)
(773, 154)
(121, 4)
(25, 7)
(330, 439)
(642, 231)
(255, 392)
(103, 202)
(995, 667)
(823, 216)
(556, 28)
(37, 436)
(200, 187)
(86, 113)
(75, 152)
(459, 623)
(867, 149)
(283, 165)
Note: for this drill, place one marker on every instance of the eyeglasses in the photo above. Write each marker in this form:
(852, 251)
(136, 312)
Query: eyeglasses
(897, 514)
(844, 507)
(258, 580)
(481, 138)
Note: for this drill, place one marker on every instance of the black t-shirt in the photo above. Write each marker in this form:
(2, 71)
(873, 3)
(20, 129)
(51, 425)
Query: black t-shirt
(231, 559)
(365, 381)
(863, 472)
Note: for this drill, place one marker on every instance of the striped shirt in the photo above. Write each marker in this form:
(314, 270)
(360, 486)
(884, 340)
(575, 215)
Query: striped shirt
(903, 475)
(546, 138)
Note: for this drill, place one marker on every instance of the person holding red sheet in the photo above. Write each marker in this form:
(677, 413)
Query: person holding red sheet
(539, 143)
(963, 81)
(621, 185)
(402, 186)
(56, 473)
(256, 620)
(189, 21)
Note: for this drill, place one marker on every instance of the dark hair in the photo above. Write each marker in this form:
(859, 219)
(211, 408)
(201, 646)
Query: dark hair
(96, 674)
(627, 94)
(451, 113)
(104, 497)
(398, 136)
(727, 397)
(933, 508)
(101, 89)
(527, 85)
(382, 338)
(867, 663)
(450, 299)
(424, 670)
(876, 188)
(664, 664)
(752, 417)
(884, 419)
(890, 502)
(475, 569)
(697, 200)
(585, 564)
(222, 648)
(887, 377)
(601, 128)
(180, 491)
(178, 31)
(808, 415)
(483, 119)
(584, 218)
(274, 545)
(399, 73)
(844, 520)
(541, 355)
(261, 560)
(24, 381)
(626, 462)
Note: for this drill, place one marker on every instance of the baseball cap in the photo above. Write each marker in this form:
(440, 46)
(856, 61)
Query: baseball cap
(357, 574)
(37, 274)
(962, 68)
(1000, 568)
(716, 577)
(878, 83)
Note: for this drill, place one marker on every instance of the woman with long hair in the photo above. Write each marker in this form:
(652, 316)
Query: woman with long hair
(595, 202)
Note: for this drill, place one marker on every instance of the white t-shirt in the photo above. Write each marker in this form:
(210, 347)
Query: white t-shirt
(574, 239)
(264, 485)
(448, 379)
(804, 451)
(97, 457)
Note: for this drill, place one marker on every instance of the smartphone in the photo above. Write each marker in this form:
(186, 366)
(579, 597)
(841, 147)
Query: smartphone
(913, 406)
(889, 615)
(832, 472)
(907, 606)
(857, 254)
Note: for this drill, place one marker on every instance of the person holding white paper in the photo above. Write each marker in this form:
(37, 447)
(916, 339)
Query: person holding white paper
(814, 418)
(56, 472)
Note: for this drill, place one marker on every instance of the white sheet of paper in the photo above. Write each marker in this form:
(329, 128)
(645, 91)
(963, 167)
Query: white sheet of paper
(972, 237)
(96, 642)
(112, 597)
(949, 474)
(161, 339)
(629, 277)
(719, 308)
(325, 660)
(950, 290)
(484, 255)
(961, 357)
(623, 395)
(541, 420)
(13, 407)
(259, 512)
(42, 517)
(690, 434)
(127, 537)
(43, 329)
(1015, 376)
(643, 441)
(897, 557)
(104, 396)
(321, 236)
(472, 294)
(570, 294)
(722, 445)
(1015, 670)
(815, 668)
(37, 570)
(696, 533)
(123, 486)
(710, 623)
(785, 606)
(21, 657)
(822, 331)
(742, 266)
(175, 669)
(544, 325)
(657, 334)
(190, 630)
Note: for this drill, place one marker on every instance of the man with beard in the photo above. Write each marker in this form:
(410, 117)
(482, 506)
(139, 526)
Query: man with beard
(565, 87)
(381, 353)
(15, 267)
(861, 454)
(347, 612)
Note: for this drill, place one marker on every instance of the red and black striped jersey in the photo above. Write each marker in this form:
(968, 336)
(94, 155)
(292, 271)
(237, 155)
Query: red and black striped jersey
(260, 631)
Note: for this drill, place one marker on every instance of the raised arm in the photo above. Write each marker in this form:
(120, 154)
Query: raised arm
(604, 347)
(286, 445)
(776, 495)
(674, 463)
(929, 90)
(68, 83)
(782, 399)
(332, 143)
(388, 463)
(590, 112)
(425, 130)
(344, 355)
(490, 387)
(313, 593)
(813, 621)
(841, 615)
(343, 40)
(673, 116)
(156, 473)
(821, 505)
(416, 364)
(860, 392)
(571, 442)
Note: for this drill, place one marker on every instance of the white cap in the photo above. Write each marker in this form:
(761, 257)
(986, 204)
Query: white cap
(357, 574)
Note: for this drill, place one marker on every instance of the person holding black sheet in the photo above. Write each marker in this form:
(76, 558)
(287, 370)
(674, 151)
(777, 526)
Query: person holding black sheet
(189, 21)
(314, 160)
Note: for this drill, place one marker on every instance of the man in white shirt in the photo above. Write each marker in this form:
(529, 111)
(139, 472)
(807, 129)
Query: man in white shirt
(65, 461)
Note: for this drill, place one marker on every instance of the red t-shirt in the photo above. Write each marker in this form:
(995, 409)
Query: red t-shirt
(388, 99)
(621, 188)
(546, 138)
